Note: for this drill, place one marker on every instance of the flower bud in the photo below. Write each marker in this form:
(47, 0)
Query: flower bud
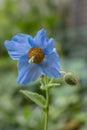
(70, 78)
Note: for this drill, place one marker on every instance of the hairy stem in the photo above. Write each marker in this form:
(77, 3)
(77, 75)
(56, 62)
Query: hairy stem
(47, 109)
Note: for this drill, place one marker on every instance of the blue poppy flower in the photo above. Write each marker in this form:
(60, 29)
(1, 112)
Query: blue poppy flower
(36, 56)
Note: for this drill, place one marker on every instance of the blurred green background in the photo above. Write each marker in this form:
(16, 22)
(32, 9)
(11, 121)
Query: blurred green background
(68, 105)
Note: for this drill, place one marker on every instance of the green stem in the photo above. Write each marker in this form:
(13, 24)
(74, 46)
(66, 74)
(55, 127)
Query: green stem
(47, 109)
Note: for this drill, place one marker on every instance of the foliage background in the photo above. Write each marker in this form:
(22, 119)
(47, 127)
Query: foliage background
(68, 109)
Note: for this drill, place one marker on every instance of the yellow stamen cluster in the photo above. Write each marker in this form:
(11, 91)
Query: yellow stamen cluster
(37, 53)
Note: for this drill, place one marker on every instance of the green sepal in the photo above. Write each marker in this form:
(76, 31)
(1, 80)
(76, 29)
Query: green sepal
(52, 85)
(37, 98)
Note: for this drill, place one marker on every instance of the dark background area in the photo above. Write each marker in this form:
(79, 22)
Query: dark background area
(66, 22)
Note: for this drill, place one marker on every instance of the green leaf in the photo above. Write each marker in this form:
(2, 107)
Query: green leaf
(38, 99)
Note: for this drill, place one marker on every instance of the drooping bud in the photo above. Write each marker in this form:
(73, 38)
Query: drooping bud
(70, 78)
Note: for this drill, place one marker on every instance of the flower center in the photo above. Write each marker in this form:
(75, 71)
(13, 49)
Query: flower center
(37, 54)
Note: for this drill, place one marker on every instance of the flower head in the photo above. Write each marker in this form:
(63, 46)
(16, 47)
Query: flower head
(36, 56)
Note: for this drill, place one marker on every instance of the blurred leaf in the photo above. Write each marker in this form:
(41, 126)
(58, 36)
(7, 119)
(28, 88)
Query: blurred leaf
(38, 99)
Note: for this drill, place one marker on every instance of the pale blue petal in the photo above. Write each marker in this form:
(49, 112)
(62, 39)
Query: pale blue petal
(42, 41)
(48, 46)
(18, 46)
(20, 38)
(40, 37)
(27, 72)
(51, 65)
(32, 42)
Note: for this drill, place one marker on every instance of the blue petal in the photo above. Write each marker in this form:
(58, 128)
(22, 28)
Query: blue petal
(27, 72)
(40, 37)
(42, 41)
(32, 42)
(51, 65)
(20, 38)
(18, 46)
(48, 46)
